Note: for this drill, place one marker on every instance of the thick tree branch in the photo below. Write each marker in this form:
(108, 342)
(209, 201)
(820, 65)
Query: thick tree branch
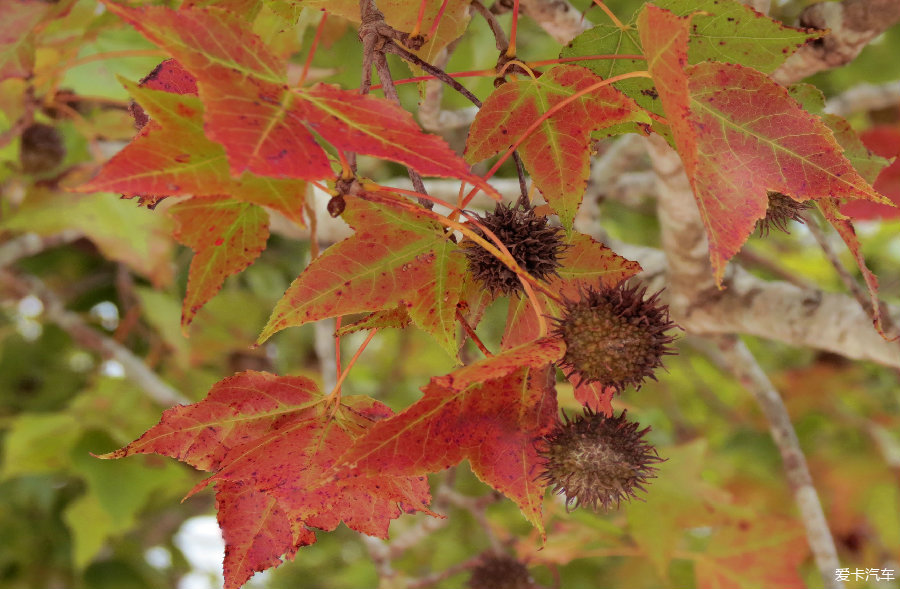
(558, 18)
(852, 24)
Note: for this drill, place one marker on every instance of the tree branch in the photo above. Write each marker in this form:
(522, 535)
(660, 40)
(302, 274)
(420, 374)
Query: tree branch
(740, 362)
(852, 25)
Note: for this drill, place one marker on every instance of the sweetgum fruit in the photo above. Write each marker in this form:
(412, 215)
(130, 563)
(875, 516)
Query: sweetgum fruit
(614, 335)
(597, 461)
(500, 572)
(41, 149)
(534, 244)
(781, 211)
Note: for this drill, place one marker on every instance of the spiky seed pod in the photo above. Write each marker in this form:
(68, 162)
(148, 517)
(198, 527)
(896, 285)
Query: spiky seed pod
(500, 572)
(782, 210)
(534, 244)
(597, 461)
(41, 149)
(614, 335)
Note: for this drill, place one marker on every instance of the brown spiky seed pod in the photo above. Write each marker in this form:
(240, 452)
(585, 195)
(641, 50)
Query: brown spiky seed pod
(597, 461)
(614, 335)
(782, 210)
(534, 244)
(42, 149)
(500, 572)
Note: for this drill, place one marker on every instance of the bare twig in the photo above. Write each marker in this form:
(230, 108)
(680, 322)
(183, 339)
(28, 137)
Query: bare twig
(740, 361)
(55, 312)
(499, 34)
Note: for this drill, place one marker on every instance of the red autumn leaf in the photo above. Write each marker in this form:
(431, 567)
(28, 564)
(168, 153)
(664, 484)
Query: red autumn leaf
(753, 552)
(396, 257)
(272, 443)
(172, 156)
(740, 135)
(19, 18)
(226, 236)
(884, 140)
(492, 423)
(256, 530)
(585, 262)
(594, 395)
(557, 152)
(169, 76)
(266, 127)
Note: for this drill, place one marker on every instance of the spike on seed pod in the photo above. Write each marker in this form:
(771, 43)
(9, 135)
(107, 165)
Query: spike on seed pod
(597, 461)
(782, 210)
(534, 244)
(500, 572)
(614, 335)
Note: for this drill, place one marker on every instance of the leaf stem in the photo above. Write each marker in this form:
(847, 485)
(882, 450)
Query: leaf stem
(611, 15)
(511, 47)
(334, 397)
(550, 112)
(312, 48)
(471, 333)
(437, 20)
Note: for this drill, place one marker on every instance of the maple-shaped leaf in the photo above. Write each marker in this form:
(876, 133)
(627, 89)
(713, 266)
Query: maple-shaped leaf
(19, 18)
(585, 262)
(226, 237)
(171, 155)
(396, 256)
(557, 152)
(732, 32)
(266, 127)
(273, 443)
(740, 135)
(721, 30)
(492, 423)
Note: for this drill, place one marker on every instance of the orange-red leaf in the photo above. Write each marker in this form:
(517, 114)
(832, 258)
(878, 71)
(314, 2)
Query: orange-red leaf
(226, 237)
(396, 257)
(273, 445)
(266, 127)
(494, 424)
(256, 530)
(557, 152)
(740, 135)
(171, 155)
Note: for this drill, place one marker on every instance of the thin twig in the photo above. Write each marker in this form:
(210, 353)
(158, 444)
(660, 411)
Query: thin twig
(737, 359)
(499, 34)
(435, 578)
(29, 244)
(434, 71)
